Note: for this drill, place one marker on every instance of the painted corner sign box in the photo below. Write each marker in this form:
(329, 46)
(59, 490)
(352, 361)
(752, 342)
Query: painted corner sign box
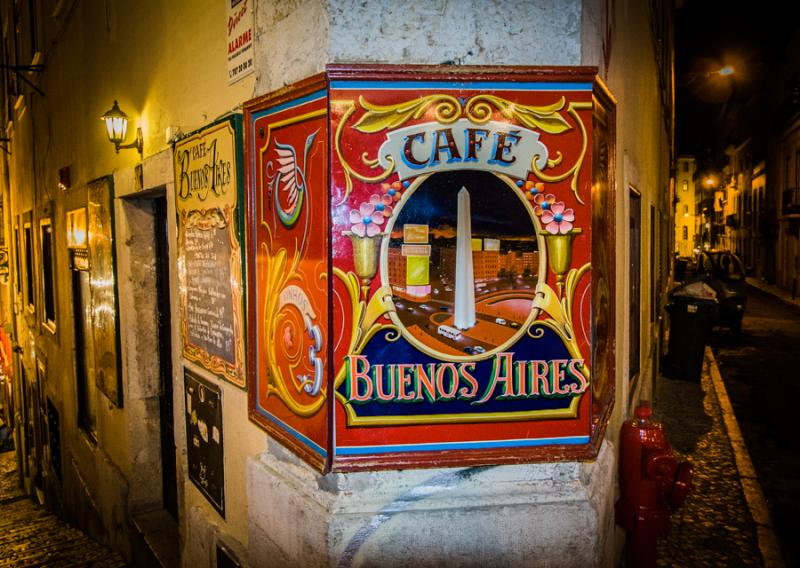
(421, 258)
(208, 196)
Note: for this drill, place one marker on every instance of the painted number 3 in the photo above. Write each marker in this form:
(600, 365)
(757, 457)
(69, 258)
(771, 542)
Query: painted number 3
(313, 385)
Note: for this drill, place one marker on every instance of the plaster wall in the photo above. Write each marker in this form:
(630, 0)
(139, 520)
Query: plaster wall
(298, 37)
(166, 65)
(535, 514)
(787, 257)
(642, 163)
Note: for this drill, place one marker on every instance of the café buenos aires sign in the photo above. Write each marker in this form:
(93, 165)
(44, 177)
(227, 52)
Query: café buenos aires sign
(363, 352)
(405, 153)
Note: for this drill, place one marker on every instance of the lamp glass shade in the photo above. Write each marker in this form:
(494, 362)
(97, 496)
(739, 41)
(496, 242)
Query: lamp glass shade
(116, 124)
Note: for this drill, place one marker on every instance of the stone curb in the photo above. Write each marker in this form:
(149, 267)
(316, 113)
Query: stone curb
(757, 505)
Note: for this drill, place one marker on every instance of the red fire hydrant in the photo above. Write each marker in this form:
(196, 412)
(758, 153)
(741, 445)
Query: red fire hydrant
(653, 483)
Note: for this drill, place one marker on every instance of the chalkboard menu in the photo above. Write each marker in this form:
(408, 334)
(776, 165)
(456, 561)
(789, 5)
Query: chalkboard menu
(208, 297)
(208, 188)
(204, 446)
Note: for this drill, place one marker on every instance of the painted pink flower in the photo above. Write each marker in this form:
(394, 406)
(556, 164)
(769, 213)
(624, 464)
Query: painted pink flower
(382, 204)
(557, 219)
(366, 221)
(543, 202)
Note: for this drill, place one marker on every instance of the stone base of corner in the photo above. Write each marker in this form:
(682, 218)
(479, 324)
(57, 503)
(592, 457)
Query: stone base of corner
(557, 514)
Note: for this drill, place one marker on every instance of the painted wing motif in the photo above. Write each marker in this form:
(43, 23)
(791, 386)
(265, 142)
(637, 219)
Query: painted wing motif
(290, 181)
(287, 175)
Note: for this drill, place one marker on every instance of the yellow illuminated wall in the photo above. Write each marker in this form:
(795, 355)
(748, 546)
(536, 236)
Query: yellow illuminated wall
(417, 271)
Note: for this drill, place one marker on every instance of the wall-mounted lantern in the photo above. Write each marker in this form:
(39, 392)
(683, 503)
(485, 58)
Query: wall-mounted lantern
(117, 127)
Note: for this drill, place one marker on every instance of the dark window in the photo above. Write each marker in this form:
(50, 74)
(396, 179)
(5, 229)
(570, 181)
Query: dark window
(28, 244)
(786, 171)
(797, 168)
(18, 265)
(685, 233)
(652, 253)
(635, 252)
(48, 280)
(685, 167)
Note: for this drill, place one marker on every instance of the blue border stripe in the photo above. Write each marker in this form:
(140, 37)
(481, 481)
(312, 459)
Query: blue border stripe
(307, 441)
(455, 85)
(291, 104)
(362, 450)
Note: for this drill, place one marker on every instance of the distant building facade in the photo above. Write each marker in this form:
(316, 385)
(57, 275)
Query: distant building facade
(686, 236)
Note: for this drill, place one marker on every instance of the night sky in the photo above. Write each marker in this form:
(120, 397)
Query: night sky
(496, 209)
(713, 111)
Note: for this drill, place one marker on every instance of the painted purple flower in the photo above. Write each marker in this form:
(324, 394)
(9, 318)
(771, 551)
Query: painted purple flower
(366, 221)
(382, 204)
(557, 219)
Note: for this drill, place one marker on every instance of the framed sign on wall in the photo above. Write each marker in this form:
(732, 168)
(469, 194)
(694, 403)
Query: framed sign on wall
(422, 246)
(208, 198)
(204, 442)
(103, 286)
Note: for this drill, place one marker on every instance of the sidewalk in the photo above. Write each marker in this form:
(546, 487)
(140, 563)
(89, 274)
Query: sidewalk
(30, 536)
(724, 521)
(779, 293)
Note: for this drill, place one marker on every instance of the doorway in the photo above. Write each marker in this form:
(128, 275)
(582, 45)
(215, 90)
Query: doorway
(166, 412)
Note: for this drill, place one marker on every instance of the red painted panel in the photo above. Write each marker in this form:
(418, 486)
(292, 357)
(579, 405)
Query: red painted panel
(409, 385)
(287, 185)
(421, 280)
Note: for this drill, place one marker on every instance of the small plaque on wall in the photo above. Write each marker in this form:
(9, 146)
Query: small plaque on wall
(204, 445)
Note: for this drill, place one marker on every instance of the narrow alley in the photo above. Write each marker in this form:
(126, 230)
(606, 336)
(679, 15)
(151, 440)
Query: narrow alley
(31, 536)
(759, 368)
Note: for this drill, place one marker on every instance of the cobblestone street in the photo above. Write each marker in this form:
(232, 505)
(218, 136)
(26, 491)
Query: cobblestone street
(30, 536)
(714, 527)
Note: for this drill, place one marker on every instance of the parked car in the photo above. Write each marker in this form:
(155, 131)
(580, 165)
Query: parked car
(723, 271)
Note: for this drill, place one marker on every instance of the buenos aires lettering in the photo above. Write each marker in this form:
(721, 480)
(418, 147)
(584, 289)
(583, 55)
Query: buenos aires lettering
(201, 171)
(437, 382)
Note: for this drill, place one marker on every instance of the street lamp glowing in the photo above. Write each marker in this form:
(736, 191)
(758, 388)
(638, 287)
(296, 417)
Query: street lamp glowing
(709, 181)
(725, 71)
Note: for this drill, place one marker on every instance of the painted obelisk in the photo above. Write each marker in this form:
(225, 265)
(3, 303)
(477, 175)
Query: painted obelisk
(464, 311)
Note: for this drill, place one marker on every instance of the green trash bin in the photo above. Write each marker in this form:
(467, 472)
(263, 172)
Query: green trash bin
(692, 314)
